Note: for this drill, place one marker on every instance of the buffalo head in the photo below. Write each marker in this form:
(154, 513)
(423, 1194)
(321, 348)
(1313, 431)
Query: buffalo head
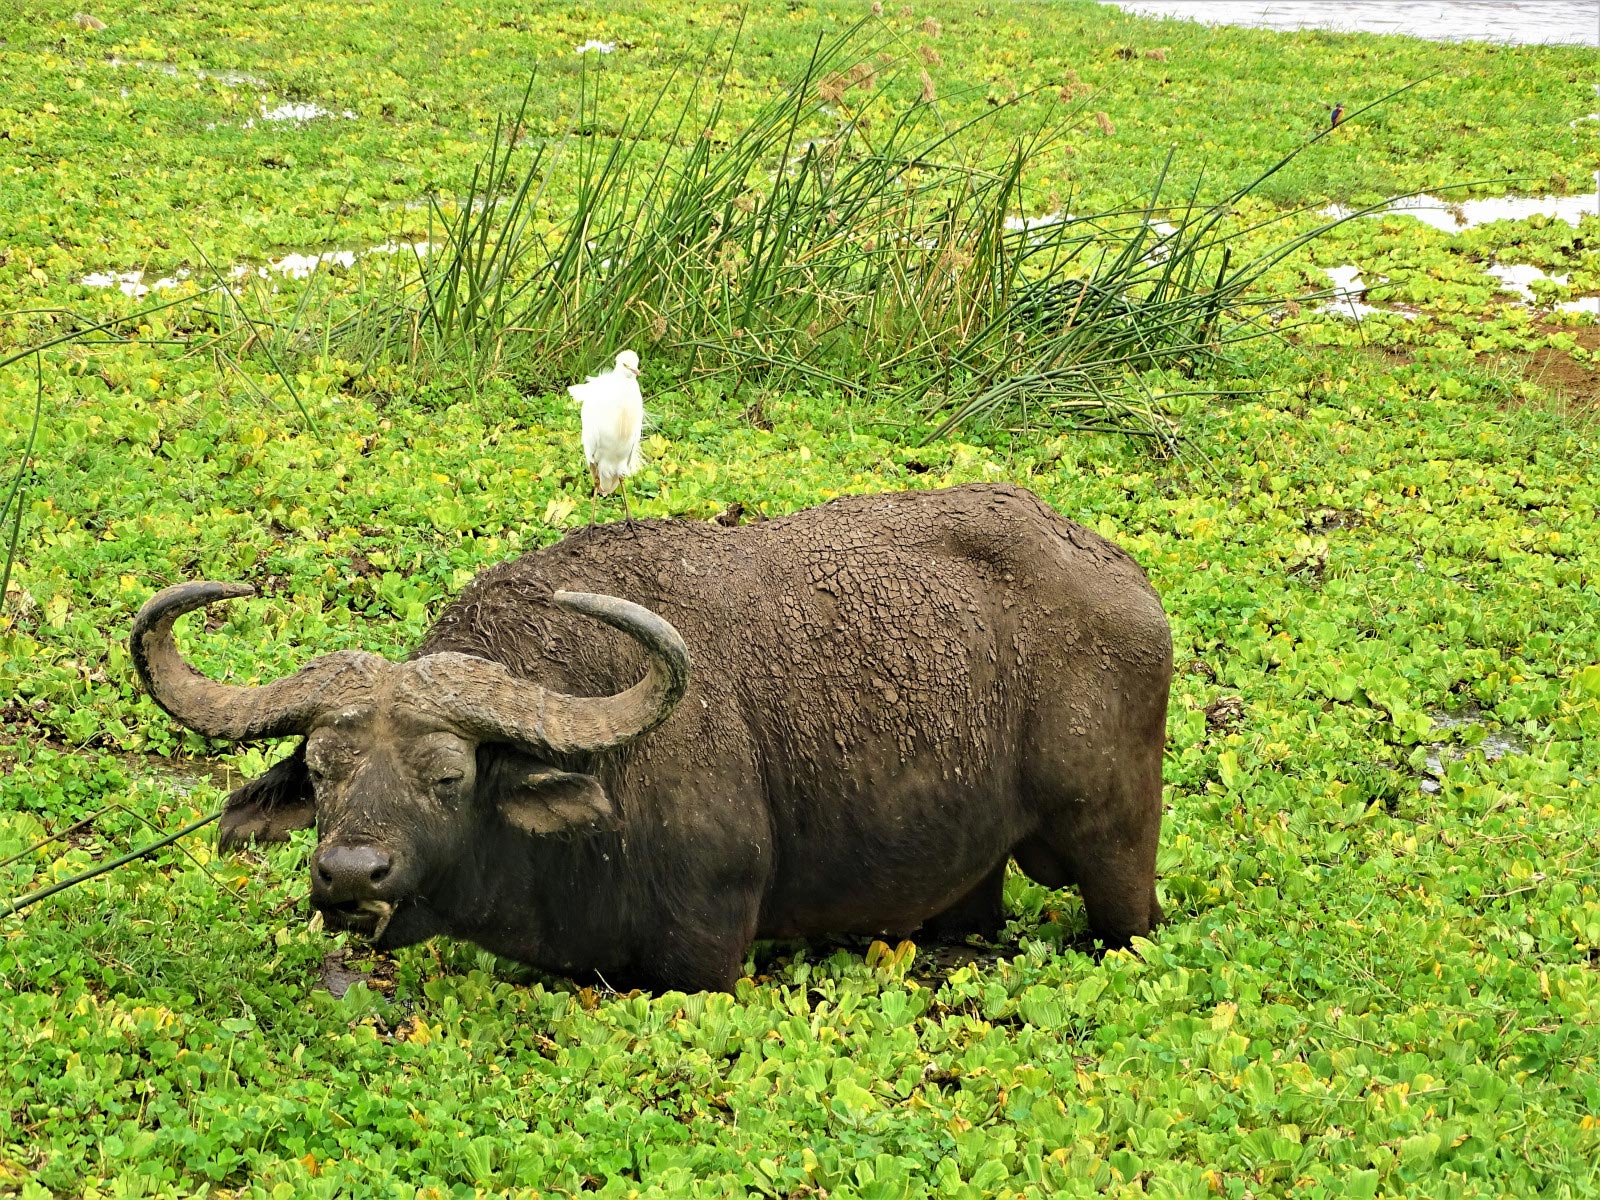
(392, 770)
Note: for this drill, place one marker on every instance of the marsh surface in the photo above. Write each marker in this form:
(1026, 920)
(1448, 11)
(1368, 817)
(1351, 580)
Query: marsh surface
(1513, 22)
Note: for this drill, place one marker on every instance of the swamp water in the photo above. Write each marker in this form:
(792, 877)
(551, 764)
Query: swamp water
(1512, 22)
(1495, 743)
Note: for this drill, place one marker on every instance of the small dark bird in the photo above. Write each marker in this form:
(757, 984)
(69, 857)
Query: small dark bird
(1336, 116)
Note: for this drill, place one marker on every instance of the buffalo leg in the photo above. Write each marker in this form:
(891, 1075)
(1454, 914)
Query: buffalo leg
(1099, 831)
(1117, 882)
(980, 911)
(698, 961)
(1092, 778)
(1119, 895)
(705, 950)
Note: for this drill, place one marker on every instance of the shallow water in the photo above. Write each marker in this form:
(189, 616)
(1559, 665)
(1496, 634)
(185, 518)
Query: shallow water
(1350, 288)
(1518, 279)
(1495, 744)
(1513, 22)
(298, 113)
(295, 266)
(1021, 222)
(1452, 216)
(228, 78)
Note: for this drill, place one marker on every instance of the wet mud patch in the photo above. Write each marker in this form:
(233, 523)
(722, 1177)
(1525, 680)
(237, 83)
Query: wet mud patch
(184, 775)
(344, 968)
(1224, 713)
(120, 822)
(937, 961)
(1574, 385)
(1324, 519)
(1390, 357)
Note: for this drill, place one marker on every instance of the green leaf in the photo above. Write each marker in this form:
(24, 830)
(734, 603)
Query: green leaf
(1228, 768)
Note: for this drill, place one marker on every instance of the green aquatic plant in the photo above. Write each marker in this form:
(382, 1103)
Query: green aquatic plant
(1381, 581)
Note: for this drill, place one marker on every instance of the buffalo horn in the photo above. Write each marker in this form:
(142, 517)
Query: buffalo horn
(495, 705)
(277, 709)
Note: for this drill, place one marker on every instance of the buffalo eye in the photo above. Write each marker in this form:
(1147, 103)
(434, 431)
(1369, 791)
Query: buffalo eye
(448, 780)
(318, 777)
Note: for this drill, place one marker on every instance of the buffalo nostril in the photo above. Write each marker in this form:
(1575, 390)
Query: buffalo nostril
(347, 872)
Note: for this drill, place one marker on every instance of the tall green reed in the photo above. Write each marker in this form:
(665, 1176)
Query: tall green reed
(847, 235)
(17, 494)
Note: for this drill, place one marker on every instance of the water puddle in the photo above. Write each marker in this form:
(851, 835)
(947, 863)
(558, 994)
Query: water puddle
(1495, 744)
(1349, 298)
(1453, 216)
(300, 266)
(292, 266)
(131, 282)
(298, 113)
(1019, 223)
(1512, 22)
(595, 47)
(226, 78)
(1519, 279)
(1160, 232)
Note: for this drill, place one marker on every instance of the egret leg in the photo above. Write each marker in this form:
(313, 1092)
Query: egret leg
(594, 494)
(627, 512)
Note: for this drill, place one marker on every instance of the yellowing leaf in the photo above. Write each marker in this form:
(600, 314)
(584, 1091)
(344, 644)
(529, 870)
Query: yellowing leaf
(852, 1096)
(1587, 681)
(1228, 768)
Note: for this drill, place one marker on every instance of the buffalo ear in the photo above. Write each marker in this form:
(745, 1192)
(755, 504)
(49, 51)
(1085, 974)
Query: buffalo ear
(269, 808)
(544, 800)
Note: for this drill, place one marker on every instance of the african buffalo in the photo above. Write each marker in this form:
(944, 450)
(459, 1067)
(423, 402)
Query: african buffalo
(890, 697)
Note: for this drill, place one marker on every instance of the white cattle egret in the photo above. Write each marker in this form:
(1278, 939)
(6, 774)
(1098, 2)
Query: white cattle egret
(613, 418)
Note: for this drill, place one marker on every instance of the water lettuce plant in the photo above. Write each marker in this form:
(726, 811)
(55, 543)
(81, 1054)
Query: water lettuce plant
(1382, 855)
